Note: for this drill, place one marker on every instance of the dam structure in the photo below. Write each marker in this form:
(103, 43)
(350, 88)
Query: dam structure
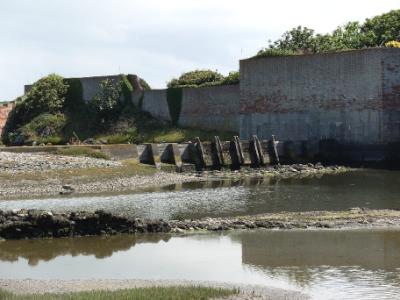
(343, 105)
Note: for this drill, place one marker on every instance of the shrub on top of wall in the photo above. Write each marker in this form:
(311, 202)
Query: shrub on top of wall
(203, 78)
(267, 52)
(195, 78)
(174, 100)
(232, 78)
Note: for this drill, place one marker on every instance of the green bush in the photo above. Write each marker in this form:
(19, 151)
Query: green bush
(45, 128)
(196, 78)
(106, 104)
(47, 95)
(267, 52)
(232, 78)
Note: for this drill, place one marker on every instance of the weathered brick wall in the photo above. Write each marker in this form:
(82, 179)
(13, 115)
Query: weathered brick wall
(4, 111)
(391, 96)
(341, 95)
(214, 107)
(155, 102)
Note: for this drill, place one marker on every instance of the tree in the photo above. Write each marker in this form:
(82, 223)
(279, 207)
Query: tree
(47, 95)
(299, 39)
(381, 29)
(374, 32)
(106, 104)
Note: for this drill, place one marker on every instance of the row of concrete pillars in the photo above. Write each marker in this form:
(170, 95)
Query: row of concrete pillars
(233, 154)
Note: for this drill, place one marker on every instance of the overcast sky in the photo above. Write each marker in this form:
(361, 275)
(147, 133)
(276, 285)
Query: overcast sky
(156, 39)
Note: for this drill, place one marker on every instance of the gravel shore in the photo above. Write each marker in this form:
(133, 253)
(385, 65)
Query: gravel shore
(28, 175)
(39, 162)
(247, 292)
(40, 174)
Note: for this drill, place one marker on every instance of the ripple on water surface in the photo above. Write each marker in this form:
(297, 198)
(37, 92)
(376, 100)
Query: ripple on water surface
(369, 188)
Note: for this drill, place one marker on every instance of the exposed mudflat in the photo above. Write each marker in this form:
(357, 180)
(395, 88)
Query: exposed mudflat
(21, 224)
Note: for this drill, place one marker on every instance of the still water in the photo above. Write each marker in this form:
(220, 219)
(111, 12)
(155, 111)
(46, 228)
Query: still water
(365, 188)
(330, 264)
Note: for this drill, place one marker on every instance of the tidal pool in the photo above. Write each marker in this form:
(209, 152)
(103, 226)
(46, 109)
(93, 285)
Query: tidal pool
(376, 189)
(329, 264)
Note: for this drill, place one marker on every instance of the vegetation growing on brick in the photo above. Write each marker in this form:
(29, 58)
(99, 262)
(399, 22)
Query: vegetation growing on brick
(174, 99)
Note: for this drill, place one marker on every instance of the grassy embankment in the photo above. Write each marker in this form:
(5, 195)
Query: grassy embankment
(155, 293)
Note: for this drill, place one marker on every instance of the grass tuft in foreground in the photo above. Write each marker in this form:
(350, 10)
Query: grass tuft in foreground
(154, 293)
(83, 151)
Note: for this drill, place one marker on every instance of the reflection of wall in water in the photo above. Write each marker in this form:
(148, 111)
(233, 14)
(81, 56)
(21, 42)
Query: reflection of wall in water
(48, 249)
(370, 250)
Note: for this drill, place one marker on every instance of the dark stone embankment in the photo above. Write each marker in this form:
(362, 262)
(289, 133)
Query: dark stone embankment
(45, 224)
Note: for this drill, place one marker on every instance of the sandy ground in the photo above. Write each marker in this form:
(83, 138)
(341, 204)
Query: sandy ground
(248, 292)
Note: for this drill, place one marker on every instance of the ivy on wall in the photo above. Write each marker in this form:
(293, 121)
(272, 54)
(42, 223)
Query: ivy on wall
(74, 97)
(127, 89)
(174, 100)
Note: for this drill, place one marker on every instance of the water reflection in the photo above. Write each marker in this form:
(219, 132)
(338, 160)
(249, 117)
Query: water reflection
(369, 188)
(326, 264)
(35, 251)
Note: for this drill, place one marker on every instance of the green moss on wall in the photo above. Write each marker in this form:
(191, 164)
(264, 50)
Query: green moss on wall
(174, 99)
(74, 97)
(127, 89)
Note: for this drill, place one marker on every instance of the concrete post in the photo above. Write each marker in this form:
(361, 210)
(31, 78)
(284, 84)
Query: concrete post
(200, 152)
(239, 149)
(175, 156)
(218, 151)
(154, 155)
(273, 151)
(260, 150)
(254, 152)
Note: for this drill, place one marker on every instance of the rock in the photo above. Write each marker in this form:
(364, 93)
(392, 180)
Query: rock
(178, 230)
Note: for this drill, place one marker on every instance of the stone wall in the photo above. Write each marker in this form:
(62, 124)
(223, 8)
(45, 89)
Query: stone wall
(352, 97)
(90, 85)
(155, 102)
(214, 107)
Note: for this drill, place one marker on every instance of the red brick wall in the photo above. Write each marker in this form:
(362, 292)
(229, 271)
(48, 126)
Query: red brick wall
(4, 111)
